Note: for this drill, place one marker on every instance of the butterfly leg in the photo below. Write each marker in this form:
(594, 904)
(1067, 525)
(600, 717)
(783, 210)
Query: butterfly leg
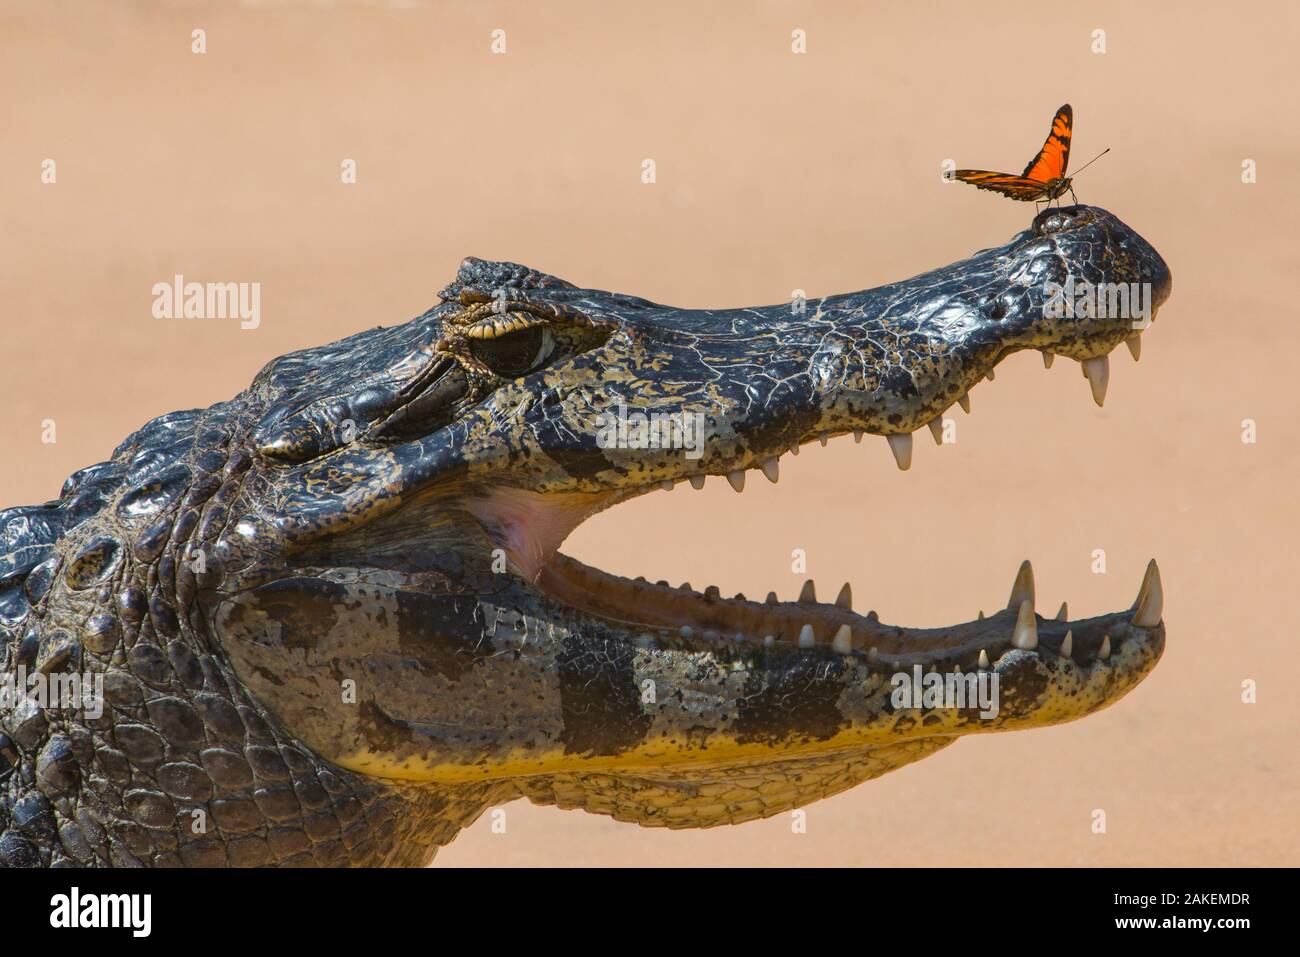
(1072, 196)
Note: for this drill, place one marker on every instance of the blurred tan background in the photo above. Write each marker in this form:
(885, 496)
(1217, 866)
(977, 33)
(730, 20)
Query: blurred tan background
(776, 171)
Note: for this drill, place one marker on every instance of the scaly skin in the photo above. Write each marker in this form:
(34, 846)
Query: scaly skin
(333, 626)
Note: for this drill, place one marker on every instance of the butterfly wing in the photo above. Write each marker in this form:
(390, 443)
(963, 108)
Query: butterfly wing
(1017, 187)
(1052, 159)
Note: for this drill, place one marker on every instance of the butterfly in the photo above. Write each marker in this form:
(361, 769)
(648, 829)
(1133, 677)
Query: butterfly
(1044, 178)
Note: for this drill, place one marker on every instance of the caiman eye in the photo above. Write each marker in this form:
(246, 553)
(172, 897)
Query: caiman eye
(515, 353)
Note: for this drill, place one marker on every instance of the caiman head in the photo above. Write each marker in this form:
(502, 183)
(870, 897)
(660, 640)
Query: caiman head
(388, 581)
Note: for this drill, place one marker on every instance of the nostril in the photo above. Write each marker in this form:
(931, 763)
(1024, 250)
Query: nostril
(998, 310)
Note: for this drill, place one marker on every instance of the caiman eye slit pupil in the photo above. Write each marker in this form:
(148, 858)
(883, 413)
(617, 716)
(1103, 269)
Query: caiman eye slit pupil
(515, 353)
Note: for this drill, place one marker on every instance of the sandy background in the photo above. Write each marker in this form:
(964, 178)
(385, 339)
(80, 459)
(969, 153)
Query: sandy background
(775, 172)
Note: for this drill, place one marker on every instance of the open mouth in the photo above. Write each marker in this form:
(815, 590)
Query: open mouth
(531, 526)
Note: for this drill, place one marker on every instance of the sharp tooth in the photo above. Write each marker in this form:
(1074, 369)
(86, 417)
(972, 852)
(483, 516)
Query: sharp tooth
(1048, 357)
(1064, 613)
(808, 594)
(772, 469)
(697, 482)
(771, 598)
(794, 449)
(964, 402)
(712, 592)
(769, 641)
(1098, 372)
(901, 446)
(1067, 646)
(936, 429)
(989, 375)
(872, 655)
(843, 640)
(806, 637)
(984, 658)
(1022, 589)
(981, 615)
(1135, 346)
(845, 598)
(1104, 651)
(737, 480)
(857, 435)
(1150, 608)
(666, 485)
(1025, 635)
(823, 438)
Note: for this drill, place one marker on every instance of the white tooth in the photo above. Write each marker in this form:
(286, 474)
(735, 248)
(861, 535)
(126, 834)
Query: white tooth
(697, 482)
(1150, 608)
(687, 631)
(666, 485)
(989, 375)
(771, 598)
(1104, 651)
(823, 438)
(964, 402)
(1025, 635)
(806, 637)
(737, 480)
(1022, 589)
(936, 429)
(1098, 372)
(808, 594)
(1067, 646)
(845, 598)
(873, 655)
(1135, 346)
(956, 669)
(1064, 613)
(901, 446)
(984, 658)
(843, 640)
(1048, 358)
(769, 641)
(772, 469)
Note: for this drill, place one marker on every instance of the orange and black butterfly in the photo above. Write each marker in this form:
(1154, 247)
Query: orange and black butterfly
(1044, 178)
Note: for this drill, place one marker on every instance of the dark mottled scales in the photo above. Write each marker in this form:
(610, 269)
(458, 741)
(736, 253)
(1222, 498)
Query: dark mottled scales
(234, 575)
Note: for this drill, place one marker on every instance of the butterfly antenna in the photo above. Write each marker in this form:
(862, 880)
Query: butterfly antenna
(1090, 162)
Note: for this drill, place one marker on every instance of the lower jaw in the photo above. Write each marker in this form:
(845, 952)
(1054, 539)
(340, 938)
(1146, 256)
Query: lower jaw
(662, 613)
